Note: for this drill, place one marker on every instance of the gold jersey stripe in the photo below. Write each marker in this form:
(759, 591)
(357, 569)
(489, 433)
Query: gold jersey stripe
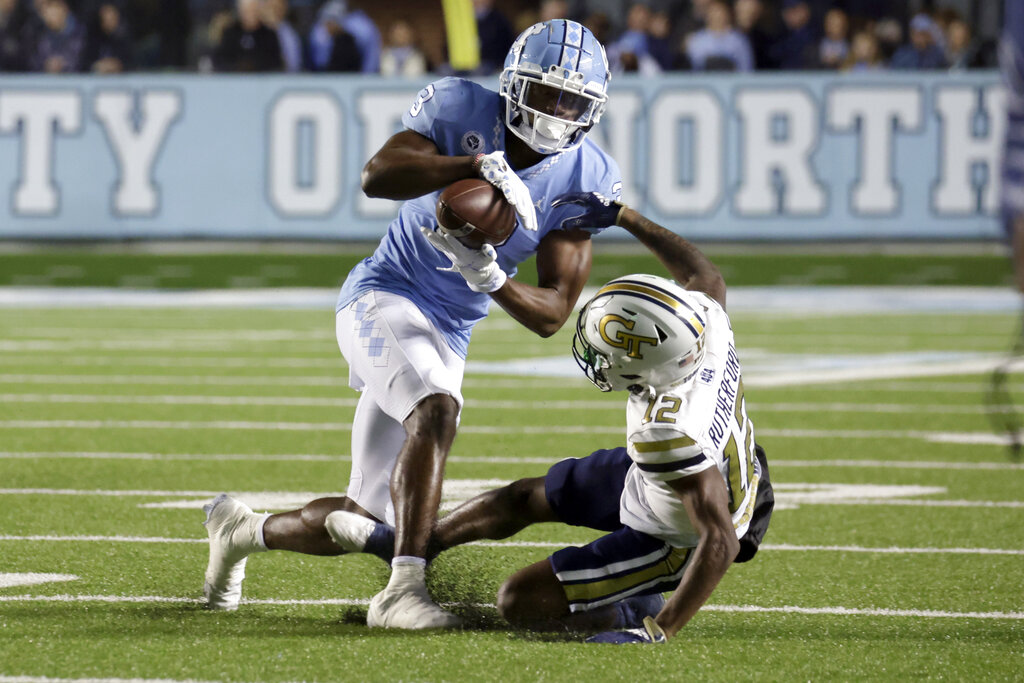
(666, 445)
(672, 302)
(595, 590)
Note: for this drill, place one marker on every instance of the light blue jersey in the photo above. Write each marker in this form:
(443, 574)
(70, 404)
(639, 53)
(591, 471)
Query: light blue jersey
(463, 118)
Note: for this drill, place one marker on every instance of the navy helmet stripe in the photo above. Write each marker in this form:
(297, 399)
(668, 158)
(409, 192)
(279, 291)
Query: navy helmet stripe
(645, 297)
(663, 291)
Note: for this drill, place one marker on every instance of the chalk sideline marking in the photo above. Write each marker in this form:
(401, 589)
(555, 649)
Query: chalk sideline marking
(942, 437)
(10, 580)
(788, 609)
(341, 402)
(771, 547)
(502, 460)
(788, 494)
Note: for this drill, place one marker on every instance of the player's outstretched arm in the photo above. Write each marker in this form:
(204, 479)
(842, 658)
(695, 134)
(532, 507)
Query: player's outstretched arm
(410, 165)
(563, 264)
(685, 262)
(707, 503)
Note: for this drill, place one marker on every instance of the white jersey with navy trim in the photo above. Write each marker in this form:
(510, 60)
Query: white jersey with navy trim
(686, 429)
(463, 118)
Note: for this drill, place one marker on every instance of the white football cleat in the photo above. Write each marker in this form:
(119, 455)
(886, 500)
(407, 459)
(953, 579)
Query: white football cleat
(408, 609)
(349, 530)
(232, 527)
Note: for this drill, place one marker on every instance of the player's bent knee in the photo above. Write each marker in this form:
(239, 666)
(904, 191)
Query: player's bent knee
(532, 597)
(513, 602)
(436, 415)
(526, 500)
(315, 512)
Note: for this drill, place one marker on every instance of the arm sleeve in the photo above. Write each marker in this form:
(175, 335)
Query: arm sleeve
(600, 173)
(667, 454)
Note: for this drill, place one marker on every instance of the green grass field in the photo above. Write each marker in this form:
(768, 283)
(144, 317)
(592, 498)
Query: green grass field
(896, 552)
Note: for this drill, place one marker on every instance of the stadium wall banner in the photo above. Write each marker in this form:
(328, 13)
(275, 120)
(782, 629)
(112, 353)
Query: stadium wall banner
(806, 156)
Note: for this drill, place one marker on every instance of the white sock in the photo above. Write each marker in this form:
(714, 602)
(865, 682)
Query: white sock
(407, 571)
(261, 542)
(248, 535)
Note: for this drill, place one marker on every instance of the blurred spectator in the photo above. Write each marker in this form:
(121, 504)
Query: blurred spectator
(495, 34)
(247, 44)
(751, 20)
(962, 51)
(634, 38)
(659, 41)
(61, 42)
(13, 17)
(108, 48)
(694, 20)
(795, 49)
(922, 52)
(553, 9)
(335, 21)
(614, 12)
(889, 35)
(600, 25)
(275, 16)
(173, 27)
(865, 54)
(719, 47)
(834, 46)
(402, 57)
(630, 53)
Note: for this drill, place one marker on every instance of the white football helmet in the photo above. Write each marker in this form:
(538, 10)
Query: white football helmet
(555, 85)
(640, 331)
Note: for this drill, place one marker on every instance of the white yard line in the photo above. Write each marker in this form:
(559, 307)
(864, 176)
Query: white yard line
(45, 679)
(286, 457)
(788, 494)
(868, 612)
(182, 380)
(789, 609)
(958, 437)
(899, 464)
(120, 359)
(616, 405)
(770, 547)
(161, 399)
(280, 426)
(803, 494)
(273, 380)
(11, 580)
(500, 460)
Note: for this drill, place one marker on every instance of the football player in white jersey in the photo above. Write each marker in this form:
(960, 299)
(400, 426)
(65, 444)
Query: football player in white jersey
(689, 493)
(405, 314)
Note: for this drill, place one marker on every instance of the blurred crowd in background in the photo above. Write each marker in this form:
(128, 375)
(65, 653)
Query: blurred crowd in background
(111, 36)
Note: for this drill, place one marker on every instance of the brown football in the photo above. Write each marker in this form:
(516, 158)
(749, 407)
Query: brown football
(475, 212)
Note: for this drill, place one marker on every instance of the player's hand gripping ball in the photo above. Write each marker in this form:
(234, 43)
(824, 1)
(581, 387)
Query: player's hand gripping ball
(476, 213)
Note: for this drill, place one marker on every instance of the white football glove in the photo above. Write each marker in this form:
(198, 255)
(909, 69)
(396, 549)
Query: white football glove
(478, 266)
(495, 169)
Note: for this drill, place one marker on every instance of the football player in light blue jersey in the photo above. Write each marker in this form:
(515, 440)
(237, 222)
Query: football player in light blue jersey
(405, 314)
(688, 493)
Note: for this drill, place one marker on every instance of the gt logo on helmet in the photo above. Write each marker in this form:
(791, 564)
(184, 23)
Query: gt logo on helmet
(632, 343)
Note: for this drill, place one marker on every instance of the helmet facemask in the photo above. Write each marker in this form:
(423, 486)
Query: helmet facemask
(554, 84)
(551, 113)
